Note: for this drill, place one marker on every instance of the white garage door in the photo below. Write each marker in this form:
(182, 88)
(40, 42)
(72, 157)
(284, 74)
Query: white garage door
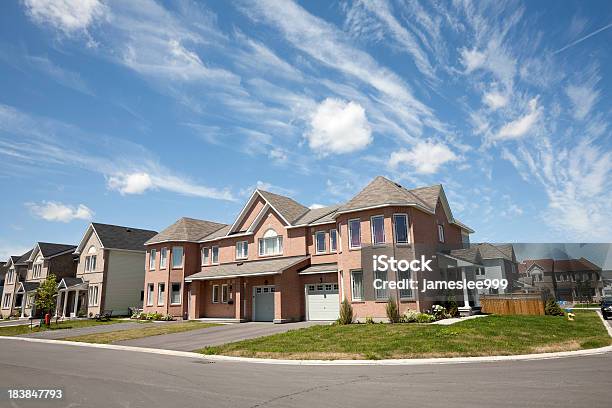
(322, 301)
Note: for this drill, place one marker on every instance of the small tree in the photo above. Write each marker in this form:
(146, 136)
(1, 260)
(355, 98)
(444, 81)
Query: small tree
(552, 308)
(346, 313)
(46, 294)
(392, 310)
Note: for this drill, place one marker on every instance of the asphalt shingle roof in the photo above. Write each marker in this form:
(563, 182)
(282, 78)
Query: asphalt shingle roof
(48, 249)
(187, 229)
(268, 266)
(117, 237)
(318, 215)
(490, 251)
(321, 268)
(287, 207)
(23, 259)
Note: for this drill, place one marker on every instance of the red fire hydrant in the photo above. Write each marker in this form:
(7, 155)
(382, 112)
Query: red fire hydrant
(48, 319)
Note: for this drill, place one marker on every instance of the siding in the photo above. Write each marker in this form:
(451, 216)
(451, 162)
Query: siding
(124, 281)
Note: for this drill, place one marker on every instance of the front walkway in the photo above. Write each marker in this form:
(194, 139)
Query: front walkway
(214, 336)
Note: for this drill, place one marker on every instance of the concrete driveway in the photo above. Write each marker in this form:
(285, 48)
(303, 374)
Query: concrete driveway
(213, 336)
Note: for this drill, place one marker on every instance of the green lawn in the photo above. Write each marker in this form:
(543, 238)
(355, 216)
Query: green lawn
(153, 329)
(68, 324)
(583, 305)
(492, 335)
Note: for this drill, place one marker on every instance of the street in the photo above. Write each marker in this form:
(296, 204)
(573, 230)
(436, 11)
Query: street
(92, 377)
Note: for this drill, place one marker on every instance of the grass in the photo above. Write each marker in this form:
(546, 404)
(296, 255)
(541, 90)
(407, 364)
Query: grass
(147, 331)
(493, 335)
(68, 324)
(583, 305)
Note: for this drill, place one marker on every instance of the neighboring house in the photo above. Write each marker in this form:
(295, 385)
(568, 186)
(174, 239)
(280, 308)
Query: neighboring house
(109, 272)
(16, 269)
(281, 261)
(565, 279)
(45, 259)
(3, 270)
(607, 289)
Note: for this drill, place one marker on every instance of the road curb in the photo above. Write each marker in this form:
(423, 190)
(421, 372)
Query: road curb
(396, 362)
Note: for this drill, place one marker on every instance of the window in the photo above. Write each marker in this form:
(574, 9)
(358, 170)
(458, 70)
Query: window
(152, 257)
(163, 258)
(270, 244)
(175, 293)
(381, 294)
(205, 256)
(405, 293)
(6, 301)
(333, 240)
(150, 289)
(161, 292)
(357, 285)
(90, 263)
(242, 250)
(37, 270)
(320, 242)
(177, 257)
(10, 276)
(400, 222)
(224, 293)
(378, 229)
(354, 233)
(440, 232)
(215, 254)
(93, 295)
(215, 294)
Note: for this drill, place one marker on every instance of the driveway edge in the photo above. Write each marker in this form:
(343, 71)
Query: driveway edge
(406, 362)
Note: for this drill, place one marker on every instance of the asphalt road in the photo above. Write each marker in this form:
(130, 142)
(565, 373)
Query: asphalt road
(107, 378)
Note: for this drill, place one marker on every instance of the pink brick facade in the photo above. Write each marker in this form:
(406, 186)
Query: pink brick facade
(298, 240)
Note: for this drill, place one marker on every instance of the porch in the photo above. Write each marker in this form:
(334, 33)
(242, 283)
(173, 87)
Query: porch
(26, 296)
(71, 298)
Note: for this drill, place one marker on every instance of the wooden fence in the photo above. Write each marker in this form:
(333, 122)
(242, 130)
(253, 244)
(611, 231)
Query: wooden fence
(513, 304)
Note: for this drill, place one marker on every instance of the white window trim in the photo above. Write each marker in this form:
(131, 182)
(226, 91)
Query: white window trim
(150, 294)
(399, 291)
(441, 237)
(226, 287)
(161, 258)
(383, 229)
(355, 299)
(317, 249)
(242, 245)
(215, 288)
(6, 300)
(180, 293)
(376, 297)
(152, 259)
(212, 255)
(395, 229)
(350, 234)
(262, 249)
(160, 300)
(182, 257)
(333, 250)
(205, 261)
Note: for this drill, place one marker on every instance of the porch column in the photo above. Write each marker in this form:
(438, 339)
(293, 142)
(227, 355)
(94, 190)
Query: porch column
(57, 303)
(76, 303)
(23, 303)
(465, 310)
(194, 300)
(65, 300)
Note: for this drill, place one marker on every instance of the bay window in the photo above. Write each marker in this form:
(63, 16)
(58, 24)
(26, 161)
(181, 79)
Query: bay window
(175, 293)
(161, 293)
(333, 240)
(152, 256)
(357, 285)
(177, 256)
(378, 229)
(150, 290)
(163, 258)
(407, 292)
(354, 227)
(381, 294)
(400, 223)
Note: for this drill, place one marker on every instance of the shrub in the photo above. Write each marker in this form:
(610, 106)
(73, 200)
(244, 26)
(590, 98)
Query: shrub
(346, 313)
(552, 308)
(439, 312)
(451, 306)
(425, 318)
(410, 316)
(369, 320)
(392, 310)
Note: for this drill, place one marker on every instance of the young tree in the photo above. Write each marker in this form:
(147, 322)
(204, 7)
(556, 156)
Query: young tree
(46, 294)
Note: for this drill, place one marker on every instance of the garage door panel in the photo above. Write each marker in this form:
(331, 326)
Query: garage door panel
(322, 301)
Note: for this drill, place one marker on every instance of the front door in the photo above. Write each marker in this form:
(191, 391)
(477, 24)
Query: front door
(263, 303)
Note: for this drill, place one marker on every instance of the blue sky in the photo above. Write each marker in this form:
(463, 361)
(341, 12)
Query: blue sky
(137, 113)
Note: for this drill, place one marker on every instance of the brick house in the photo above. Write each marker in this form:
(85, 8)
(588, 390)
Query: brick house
(281, 261)
(565, 279)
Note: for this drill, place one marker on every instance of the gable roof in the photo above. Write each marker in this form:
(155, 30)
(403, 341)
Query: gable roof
(490, 251)
(49, 249)
(575, 265)
(186, 229)
(117, 237)
(318, 215)
(547, 265)
(287, 207)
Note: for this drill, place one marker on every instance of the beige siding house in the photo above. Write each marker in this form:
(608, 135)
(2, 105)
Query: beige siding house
(109, 274)
(16, 268)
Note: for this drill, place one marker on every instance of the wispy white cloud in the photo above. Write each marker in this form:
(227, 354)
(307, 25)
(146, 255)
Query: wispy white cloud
(425, 157)
(59, 212)
(31, 139)
(521, 126)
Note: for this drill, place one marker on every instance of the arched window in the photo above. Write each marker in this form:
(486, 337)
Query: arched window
(271, 243)
(37, 267)
(90, 259)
